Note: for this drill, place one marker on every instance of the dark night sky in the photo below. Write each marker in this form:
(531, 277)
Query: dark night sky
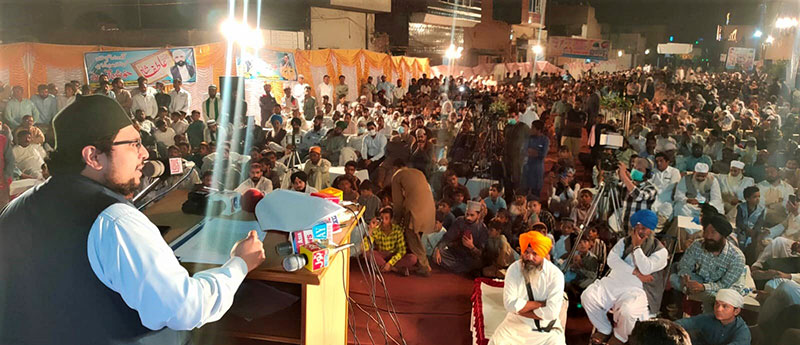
(687, 20)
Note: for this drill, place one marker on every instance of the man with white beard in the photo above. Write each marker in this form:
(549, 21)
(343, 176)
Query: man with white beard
(696, 189)
(533, 295)
(731, 186)
(633, 284)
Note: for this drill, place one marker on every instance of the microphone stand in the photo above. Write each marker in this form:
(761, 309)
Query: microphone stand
(146, 190)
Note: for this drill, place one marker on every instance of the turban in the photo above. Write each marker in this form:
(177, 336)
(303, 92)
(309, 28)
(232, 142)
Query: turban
(211, 122)
(276, 117)
(316, 149)
(341, 125)
(737, 164)
(731, 297)
(541, 244)
(701, 168)
(719, 222)
(473, 206)
(647, 218)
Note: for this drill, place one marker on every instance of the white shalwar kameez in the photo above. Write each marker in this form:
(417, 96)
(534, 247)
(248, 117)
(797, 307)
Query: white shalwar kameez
(621, 291)
(516, 329)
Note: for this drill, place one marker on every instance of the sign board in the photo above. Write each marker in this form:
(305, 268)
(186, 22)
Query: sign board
(580, 48)
(674, 48)
(740, 57)
(152, 64)
(270, 65)
(723, 57)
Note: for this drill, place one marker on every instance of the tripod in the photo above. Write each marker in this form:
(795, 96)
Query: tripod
(606, 203)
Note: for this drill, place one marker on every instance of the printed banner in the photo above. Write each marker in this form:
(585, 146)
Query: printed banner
(269, 65)
(741, 57)
(152, 64)
(580, 48)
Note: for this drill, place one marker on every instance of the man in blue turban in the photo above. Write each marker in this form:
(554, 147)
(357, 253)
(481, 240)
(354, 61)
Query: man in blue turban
(635, 282)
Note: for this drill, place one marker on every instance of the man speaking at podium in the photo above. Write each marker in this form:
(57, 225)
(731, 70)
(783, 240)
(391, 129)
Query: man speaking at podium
(80, 265)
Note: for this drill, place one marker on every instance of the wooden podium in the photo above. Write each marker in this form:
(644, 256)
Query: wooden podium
(320, 317)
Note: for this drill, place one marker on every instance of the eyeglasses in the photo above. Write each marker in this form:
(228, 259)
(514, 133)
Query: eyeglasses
(135, 143)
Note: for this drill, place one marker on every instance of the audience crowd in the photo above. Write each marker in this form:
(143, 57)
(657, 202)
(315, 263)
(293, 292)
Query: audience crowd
(706, 210)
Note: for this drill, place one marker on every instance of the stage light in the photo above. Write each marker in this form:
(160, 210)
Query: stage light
(757, 34)
(786, 22)
(671, 38)
(452, 52)
(619, 53)
(242, 34)
(537, 49)
(647, 52)
(770, 39)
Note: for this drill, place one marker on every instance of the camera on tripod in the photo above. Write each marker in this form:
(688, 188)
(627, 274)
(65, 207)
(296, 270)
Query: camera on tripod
(611, 143)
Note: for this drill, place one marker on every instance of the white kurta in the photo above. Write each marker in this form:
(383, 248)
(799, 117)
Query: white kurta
(665, 181)
(682, 208)
(264, 185)
(517, 329)
(733, 188)
(621, 291)
(29, 159)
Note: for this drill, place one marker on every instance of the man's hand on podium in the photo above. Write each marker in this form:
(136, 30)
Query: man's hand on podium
(250, 249)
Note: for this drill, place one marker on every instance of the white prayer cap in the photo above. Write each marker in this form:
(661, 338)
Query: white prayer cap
(300, 76)
(473, 206)
(731, 297)
(701, 168)
(737, 164)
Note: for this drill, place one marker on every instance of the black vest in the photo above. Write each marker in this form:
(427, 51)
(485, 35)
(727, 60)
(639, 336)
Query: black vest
(48, 291)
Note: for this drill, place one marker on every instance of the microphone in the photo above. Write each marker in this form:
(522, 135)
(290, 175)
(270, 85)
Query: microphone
(165, 167)
(295, 262)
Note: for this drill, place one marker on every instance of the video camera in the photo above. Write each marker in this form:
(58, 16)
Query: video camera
(608, 158)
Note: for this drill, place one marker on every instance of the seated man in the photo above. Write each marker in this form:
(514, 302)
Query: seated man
(777, 317)
(28, 157)
(732, 186)
(317, 169)
(389, 243)
(697, 189)
(774, 195)
(724, 326)
(778, 248)
(298, 181)
(498, 254)
(256, 180)
(710, 264)
(533, 295)
(633, 283)
(461, 247)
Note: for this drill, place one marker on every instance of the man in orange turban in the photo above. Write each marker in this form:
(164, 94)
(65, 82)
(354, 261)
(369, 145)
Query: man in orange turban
(534, 297)
(317, 169)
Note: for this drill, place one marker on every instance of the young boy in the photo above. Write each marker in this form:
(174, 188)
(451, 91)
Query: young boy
(432, 239)
(443, 209)
(581, 212)
(583, 267)
(369, 200)
(494, 201)
(458, 208)
(256, 180)
(498, 254)
(389, 242)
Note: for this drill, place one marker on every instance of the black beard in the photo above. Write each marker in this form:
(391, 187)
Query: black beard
(713, 246)
(125, 189)
(181, 63)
